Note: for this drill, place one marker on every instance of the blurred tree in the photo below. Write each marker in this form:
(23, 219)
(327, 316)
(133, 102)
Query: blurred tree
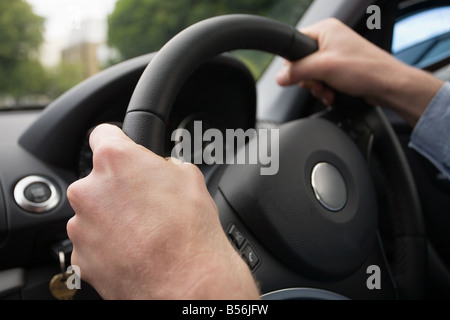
(141, 26)
(27, 77)
(21, 35)
(63, 77)
(137, 27)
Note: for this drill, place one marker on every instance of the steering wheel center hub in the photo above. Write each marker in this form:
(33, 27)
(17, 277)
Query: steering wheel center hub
(318, 214)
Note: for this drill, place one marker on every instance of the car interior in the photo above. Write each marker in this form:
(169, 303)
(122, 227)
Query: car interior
(396, 216)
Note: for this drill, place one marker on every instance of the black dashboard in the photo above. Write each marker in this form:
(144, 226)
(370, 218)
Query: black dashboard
(221, 94)
(217, 92)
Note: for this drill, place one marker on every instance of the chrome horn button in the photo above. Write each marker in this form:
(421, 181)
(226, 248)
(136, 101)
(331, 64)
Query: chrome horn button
(329, 186)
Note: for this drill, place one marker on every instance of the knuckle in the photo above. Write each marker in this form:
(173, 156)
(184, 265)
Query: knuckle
(198, 192)
(77, 260)
(195, 176)
(70, 227)
(74, 193)
(79, 192)
(328, 62)
(332, 22)
(102, 153)
(108, 154)
(74, 259)
(73, 229)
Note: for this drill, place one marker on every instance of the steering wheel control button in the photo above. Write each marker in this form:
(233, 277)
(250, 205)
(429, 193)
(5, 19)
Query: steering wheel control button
(36, 194)
(250, 257)
(236, 236)
(329, 186)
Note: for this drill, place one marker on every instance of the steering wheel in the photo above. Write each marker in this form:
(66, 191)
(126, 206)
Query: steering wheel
(315, 222)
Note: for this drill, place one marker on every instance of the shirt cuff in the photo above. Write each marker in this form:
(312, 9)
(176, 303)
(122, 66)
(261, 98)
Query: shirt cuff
(431, 136)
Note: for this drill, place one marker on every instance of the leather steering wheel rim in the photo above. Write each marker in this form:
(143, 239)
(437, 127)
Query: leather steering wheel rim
(151, 103)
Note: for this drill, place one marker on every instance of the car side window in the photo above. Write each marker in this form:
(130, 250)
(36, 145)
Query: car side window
(422, 39)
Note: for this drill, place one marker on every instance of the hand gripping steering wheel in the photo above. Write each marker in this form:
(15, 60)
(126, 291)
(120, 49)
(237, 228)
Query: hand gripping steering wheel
(315, 222)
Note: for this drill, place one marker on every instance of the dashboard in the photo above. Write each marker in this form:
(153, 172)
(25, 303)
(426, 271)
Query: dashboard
(221, 94)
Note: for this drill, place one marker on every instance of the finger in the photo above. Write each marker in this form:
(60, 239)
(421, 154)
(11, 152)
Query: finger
(328, 97)
(312, 31)
(308, 68)
(317, 65)
(320, 28)
(77, 192)
(105, 133)
(320, 91)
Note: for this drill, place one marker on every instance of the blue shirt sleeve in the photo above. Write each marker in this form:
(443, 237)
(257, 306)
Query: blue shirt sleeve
(431, 136)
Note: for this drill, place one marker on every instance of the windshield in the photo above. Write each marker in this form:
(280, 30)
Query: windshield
(48, 46)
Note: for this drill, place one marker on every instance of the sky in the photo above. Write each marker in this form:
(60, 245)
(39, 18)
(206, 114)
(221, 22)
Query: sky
(64, 15)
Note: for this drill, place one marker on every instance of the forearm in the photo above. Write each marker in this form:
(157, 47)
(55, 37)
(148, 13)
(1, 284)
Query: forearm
(408, 91)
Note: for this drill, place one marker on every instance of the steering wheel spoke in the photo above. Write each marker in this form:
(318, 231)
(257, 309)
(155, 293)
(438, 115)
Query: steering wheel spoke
(351, 123)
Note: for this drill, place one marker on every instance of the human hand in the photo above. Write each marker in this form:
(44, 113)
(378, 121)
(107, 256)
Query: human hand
(146, 227)
(348, 63)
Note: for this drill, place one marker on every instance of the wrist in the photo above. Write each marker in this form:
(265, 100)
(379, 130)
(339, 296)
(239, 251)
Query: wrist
(226, 278)
(218, 275)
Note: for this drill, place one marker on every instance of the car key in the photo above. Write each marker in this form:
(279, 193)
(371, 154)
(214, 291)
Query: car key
(58, 287)
(58, 284)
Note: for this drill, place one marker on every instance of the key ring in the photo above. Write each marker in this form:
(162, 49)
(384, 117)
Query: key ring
(62, 264)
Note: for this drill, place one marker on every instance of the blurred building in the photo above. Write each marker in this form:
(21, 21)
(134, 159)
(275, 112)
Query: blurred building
(85, 54)
(86, 45)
